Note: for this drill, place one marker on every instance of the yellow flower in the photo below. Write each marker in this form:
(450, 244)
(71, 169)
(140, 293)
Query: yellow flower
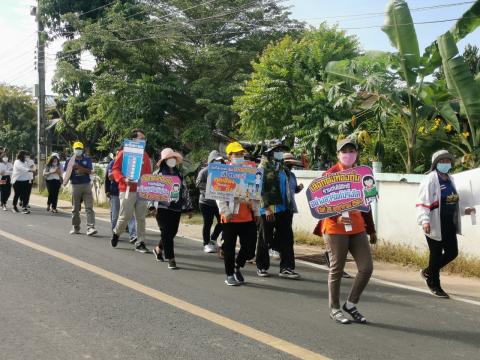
(466, 134)
(438, 121)
(448, 128)
(435, 128)
(421, 130)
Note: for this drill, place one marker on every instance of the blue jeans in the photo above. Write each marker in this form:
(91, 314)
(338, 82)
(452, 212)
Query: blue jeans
(115, 212)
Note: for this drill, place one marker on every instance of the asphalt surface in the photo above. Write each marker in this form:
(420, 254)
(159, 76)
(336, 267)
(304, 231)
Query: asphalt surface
(50, 309)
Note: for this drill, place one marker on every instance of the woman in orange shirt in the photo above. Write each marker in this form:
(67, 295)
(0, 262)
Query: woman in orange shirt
(341, 241)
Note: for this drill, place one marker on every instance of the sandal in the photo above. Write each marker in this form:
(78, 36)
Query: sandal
(356, 316)
(338, 316)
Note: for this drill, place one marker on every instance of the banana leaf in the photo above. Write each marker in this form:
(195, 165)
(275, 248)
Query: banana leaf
(461, 82)
(469, 21)
(401, 32)
(342, 69)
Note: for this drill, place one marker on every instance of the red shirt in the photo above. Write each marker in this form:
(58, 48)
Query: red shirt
(117, 171)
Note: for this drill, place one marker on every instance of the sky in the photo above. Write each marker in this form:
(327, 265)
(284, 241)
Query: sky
(357, 17)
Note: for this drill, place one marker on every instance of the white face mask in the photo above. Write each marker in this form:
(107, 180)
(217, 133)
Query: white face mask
(278, 156)
(5, 159)
(237, 160)
(171, 163)
(27, 158)
(78, 152)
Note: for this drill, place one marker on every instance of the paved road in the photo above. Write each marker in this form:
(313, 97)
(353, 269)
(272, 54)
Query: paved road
(52, 309)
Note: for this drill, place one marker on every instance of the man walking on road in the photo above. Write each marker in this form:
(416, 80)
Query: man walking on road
(77, 170)
(132, 204)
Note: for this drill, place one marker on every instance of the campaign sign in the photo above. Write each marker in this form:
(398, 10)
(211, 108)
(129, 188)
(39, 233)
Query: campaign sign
(160, 188)
(132, 158)
(227, 182)
(333, 194)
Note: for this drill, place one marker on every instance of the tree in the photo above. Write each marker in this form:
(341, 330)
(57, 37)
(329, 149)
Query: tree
(171, 67)
(409, 99)
(17, 119)
(286, 94)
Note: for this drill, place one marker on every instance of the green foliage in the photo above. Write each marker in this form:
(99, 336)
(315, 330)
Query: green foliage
(17, 120)
(286, 93)
(170, 71)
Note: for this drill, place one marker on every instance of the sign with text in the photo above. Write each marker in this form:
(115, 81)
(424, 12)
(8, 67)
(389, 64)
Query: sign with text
(333, 194)
(132, 158)
(160, 188)
(227, 182)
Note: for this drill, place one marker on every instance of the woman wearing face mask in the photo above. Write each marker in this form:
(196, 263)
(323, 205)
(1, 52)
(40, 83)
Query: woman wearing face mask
(53, 179)
(168, 214)
(340, 242)
(439, 215)
(21, 176)
(6, 170)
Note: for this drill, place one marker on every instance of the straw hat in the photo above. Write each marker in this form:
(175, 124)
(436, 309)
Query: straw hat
(288, 158)
(168, 153)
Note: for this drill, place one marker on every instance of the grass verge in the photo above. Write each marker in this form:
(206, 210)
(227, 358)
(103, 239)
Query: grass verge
(464, 265)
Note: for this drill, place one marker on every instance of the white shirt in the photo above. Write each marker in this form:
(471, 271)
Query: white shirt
(50, 172)
(21, 172)
(6, 169)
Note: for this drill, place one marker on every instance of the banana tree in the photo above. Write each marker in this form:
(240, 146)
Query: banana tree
(463, 86)
(402, 92)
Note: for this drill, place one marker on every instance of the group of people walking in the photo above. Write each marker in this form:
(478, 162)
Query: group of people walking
(260, 225)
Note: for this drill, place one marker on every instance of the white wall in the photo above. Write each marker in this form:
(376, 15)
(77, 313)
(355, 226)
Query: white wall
(395, 216)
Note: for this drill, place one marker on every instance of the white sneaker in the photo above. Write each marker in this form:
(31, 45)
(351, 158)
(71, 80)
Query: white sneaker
(274, 254)
(91, 231)
(210, 248)
(75, 231)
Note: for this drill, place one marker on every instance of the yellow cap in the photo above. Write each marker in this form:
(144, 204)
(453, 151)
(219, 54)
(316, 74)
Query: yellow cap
(77, 145)
(234, 147)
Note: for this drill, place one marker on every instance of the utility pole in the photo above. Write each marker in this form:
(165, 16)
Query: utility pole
(41, 156)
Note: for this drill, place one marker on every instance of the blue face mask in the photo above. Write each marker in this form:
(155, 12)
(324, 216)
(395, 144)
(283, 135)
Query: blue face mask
(444, 167)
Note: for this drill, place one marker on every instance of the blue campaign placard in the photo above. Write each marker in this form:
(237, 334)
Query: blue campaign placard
(227, 182)
(133, 158)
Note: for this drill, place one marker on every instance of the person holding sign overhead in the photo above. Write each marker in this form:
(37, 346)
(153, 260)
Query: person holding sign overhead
(168, 213)
(344, 233)
(439, 214)
(77, 170)
(124, 171)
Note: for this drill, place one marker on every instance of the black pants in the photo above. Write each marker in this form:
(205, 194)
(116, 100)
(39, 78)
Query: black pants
(247, 232)
(22, 189)
(280, 233)
(168, 222)
(208, 213)
(53, 187)
(442, 252)
(5, 190)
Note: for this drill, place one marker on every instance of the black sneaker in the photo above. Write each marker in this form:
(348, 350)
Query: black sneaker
(141, 248)
(231, 281)
(133, 240)
(4, 207)
(172, 265)
(438, 292)
(48, 207)
(238, 276)
(25, 211)
(15, 209)
(158, 254)
(346, 275)
(288, 274)
(114, 240)
(262, 273)
(356, 316)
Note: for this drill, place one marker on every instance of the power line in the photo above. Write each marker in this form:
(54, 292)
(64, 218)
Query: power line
(376, 14)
